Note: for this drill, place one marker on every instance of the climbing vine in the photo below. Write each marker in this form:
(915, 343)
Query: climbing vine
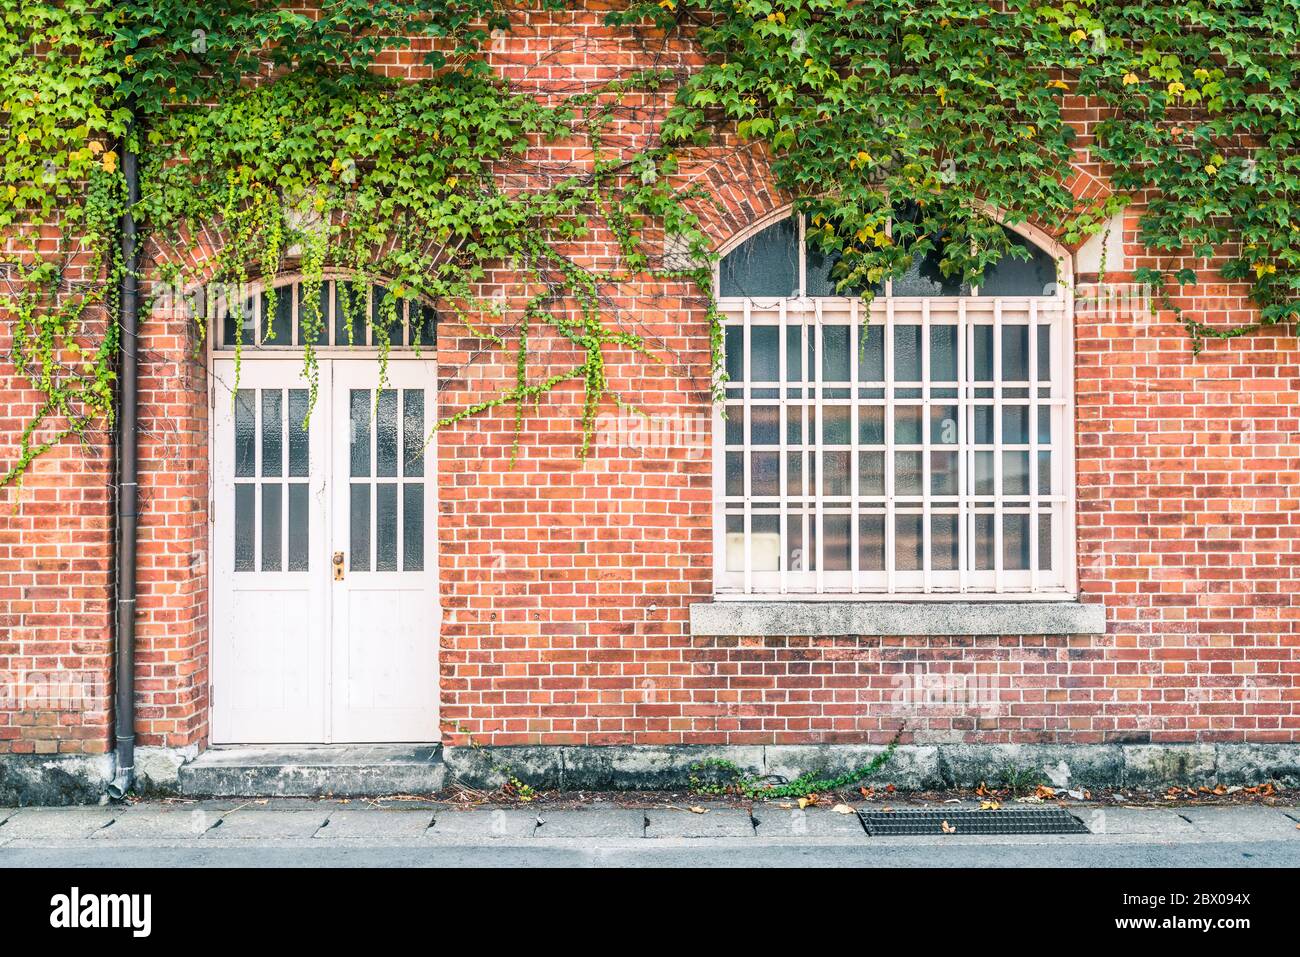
(274, 127)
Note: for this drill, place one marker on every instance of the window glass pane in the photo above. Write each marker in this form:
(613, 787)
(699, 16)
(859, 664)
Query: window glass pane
(982, 354)
(386, 527)
(735, 473)
(794, 353)
(835, 475)
(413, 437)
(764, 265)
(943, 424)
(245, 433)
(824, 275)
(271, 518)
(1015, 473)
(272, 432)
(795, 555)
(944, 542)
(907, 353)
(359, 527)
(349, 314)
(1045, 542)
(871, 542)
(1015, 542)
(413, 527)
(871, 424)
(734, 351)
(982, 424)
(907, 425)
(1044, 425)
(870, 344)
(794, 474)
(944, 476)
(907, 473)
(764, 354)
(424, 324)
(1015, 353)
(382, 317)
(1044, 472)
(907, 542)
(765, 543)
(386, 433)
(239, 313)
(307, 317)
(837, 544)
(1044, 354)
(871, 473)
(943, 353)
(245, 532)
(765, 473)
(735, 424)
(735, 543)
(837, 426)
(359, 408)
(1014, 276)
(835, 353)
(985, 542)
(277, 328)
(299, 446)
(1015, 425)
(794, 425)
(765, 425)
(983, 473)
(299, 527)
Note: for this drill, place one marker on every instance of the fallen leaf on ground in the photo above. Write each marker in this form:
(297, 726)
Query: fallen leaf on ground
(990, 806)
(867, 792)
(890, 788)
(696, 809)
(842, 809)
(947, 828)
(804, 802)
(1044, 792)
(786, 807)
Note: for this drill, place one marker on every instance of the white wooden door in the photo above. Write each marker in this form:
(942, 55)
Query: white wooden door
(304, 651)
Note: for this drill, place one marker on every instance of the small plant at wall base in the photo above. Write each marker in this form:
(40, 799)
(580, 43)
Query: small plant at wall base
(719, 776)
(269, 126)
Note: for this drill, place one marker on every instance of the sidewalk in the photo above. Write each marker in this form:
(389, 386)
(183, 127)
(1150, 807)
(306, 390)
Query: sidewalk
(298, 832)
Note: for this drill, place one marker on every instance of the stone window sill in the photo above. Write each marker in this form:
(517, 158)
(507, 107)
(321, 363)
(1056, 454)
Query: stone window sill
(758, 618)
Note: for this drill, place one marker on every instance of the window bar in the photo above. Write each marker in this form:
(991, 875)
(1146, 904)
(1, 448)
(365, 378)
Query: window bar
(818, 426)
(891, 511)
(965, 523)
(284, 479)
(257, 480)
(806, 453)
(997, 445)
(1032, 416)
(748, 411)
(855, 401)
(927, 478)
(783, 383)
(295, 337)
(802, 278)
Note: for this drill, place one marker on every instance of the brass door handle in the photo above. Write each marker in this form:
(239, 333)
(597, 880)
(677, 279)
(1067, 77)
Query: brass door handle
(338, 566)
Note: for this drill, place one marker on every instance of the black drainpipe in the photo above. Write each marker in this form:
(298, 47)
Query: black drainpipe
(124, 679)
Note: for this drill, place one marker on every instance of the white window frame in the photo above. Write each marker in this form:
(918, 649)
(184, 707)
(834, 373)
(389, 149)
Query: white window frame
(967, 583)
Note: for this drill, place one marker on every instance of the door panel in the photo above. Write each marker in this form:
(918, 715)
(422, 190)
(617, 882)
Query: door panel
(269, 609)
(386, 614)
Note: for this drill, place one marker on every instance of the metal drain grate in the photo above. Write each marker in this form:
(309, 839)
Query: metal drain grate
(1054, 820)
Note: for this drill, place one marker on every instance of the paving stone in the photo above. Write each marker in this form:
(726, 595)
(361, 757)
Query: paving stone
(606, 823)
(375, 824)
(1238, 821)
(717, 822)
(1132, 820)
(774, 822)
(56, 823)
(502, 823)
(161, 823)
(263, 824)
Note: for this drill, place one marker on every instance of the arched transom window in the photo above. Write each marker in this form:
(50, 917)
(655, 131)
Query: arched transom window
(917, 446)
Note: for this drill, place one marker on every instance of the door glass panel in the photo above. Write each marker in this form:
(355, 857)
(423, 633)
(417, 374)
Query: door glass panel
(413, 432)
(298, 444)
(359, 527)
(299, 527)
(245, 535)
(413, 527)
(272, 432)
(359, 408)
(271, 523)
(386, 527)
(245, 433)
(386, 434)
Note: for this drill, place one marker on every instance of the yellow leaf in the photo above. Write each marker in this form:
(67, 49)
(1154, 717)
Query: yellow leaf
(804, 802)
(990, 806)
(696, 809)
(947, 828)
(1059, 85)
(842, 809)
(1131, 78)
(1211, 168)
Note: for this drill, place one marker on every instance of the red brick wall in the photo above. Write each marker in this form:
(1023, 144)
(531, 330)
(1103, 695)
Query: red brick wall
(567, 584)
